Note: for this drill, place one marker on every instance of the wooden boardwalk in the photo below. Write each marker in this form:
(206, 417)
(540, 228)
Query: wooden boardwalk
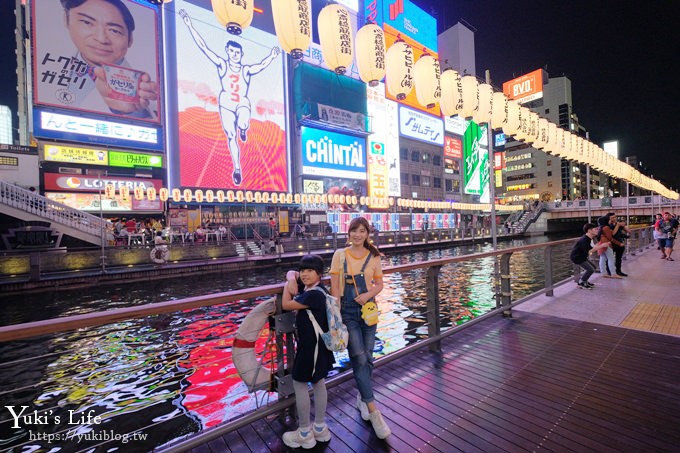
(534, 382)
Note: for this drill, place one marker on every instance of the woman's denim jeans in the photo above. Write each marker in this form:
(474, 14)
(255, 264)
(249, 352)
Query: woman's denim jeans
(607, 259)
(360, 347)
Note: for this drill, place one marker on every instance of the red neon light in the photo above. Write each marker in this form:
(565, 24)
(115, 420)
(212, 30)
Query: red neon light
(396, 8)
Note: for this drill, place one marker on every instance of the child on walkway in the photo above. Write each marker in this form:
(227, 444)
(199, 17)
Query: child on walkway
(579, 254)
(313, 360)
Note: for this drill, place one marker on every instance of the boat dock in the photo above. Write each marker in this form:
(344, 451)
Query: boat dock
(583, 370)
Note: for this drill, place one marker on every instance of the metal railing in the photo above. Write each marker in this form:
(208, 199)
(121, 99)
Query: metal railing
(84, 325)
(33, 203)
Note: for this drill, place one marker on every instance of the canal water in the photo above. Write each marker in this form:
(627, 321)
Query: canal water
(169, 376)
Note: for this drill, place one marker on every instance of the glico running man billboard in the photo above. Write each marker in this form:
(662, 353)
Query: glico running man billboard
(231, 106)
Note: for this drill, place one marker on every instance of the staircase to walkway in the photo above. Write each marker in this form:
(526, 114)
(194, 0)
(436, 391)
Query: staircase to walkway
(30, 207)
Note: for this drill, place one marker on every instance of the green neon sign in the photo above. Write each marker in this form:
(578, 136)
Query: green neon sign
(131, 160)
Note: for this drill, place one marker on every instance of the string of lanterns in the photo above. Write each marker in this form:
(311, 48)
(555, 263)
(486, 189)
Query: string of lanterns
(239, 196)
(456, 95)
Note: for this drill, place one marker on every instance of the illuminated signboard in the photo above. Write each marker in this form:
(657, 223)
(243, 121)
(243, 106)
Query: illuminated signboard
(231, 112)
(526, 88)
(498, 177)
(131, 160)
(499, 160)
(385, 137)
(81, 129)
(82, 183)
(476, 162)
(391, 36)
(76, 155)
(455, 125)
(18, 149)
(68, 58)
(453, 147)
(405, 18)
(611, 148)
(314, 186)
(420, 126)
(499, 140)
(326, 153)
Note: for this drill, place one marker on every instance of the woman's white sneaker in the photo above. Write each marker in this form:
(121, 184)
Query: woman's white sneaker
(295, 439)
(379, 426)
(323, 434)
(363, 408)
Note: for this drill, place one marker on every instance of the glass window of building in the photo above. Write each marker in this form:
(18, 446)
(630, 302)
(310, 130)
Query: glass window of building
(425, 181)
(437, 161)
(426, 158)
(415, 180)
(415, 156)
(437, 183)
(403, 153)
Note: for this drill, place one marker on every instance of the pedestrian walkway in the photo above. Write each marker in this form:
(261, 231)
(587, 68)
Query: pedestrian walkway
(648, 299)
(559, 375)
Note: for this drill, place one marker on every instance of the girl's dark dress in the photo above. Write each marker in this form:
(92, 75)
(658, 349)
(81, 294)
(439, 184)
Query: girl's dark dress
(307, 339)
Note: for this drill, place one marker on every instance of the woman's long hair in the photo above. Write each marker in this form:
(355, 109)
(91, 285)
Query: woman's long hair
(356, 223)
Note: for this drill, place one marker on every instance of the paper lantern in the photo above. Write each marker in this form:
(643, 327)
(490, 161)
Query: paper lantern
(239, 196)
(484, 96)
(289, 198)
(110, 191)
(499, 110)
(258, 197)
(164, 194)
(551, 146)
(426, 74)
(399, 70)
(176, 195)
(532, 133)
(188, 195)
(451, 101)
(221, 197)
(198, 195)
(234, 15)
(542, 136)
(470, 96)
(151, 193)
(209, 196)
(335, 36)
(522, 132)
(293, 25)
(574, 146)
(513, 123)
(370, 50)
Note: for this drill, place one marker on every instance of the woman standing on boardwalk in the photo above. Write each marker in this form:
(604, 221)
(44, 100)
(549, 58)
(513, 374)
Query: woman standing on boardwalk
(356, 278)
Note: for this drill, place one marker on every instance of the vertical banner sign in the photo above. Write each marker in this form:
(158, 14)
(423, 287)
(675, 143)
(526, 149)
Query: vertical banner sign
(377, 175)
(385, 127)
(476, 162)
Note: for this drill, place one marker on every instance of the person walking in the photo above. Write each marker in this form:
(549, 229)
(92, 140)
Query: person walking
(313, 360)
(667, 228)
(581, 250)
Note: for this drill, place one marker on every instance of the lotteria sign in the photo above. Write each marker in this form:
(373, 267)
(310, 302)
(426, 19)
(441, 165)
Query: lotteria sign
(326, 153)
(421, 126)
(80, 183)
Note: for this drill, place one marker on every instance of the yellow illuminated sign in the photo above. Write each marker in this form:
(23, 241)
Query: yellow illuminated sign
(76, 155)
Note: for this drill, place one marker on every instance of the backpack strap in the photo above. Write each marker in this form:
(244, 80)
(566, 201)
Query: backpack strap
(318, 331)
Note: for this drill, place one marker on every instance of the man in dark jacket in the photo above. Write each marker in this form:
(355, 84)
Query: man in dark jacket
(580, 251)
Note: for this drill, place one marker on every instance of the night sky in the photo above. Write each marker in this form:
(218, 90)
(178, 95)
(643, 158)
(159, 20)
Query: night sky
(621, 58)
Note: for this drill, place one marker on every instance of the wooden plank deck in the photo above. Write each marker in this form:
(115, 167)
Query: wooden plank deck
(529, 383)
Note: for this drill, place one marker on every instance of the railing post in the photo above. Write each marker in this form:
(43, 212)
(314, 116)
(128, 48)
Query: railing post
(34, 261)
(284, 324)
(433, 308)
(547, 265)
(506, 289)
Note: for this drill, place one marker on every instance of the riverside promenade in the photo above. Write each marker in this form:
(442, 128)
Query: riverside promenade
(585, 370)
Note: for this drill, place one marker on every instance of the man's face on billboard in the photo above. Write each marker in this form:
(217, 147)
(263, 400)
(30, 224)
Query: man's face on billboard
(235, 54)
(99, 32)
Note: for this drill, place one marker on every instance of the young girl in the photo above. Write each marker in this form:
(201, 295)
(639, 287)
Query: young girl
(360, 265)
(312, 360)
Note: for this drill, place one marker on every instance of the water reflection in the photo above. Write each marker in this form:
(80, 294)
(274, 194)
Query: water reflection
(171, 375)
